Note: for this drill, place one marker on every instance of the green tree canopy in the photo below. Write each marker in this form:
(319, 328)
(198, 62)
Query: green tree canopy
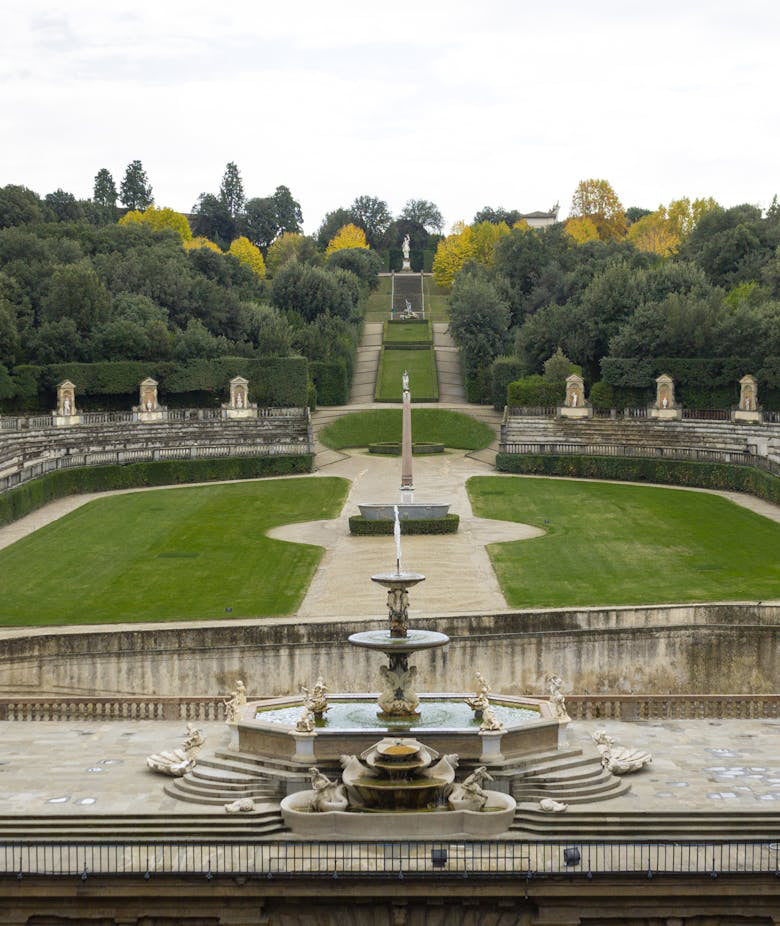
(135, 191)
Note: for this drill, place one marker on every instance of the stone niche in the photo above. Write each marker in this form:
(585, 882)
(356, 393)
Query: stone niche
(665, 406)
(748, 408)
(65, 414)
(148, 408)
(239, 405)
(575, 404)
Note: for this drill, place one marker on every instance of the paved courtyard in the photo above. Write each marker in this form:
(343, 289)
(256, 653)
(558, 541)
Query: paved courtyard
(61, 768)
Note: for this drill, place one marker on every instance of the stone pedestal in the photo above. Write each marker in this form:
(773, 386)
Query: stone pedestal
(148, 408)
(580, 411)
(155, 414)
(65, 421)
(665, 414)
(748, 408)
(406, 266)
(239, 405)
(575, 404)
(304, 746)
(491, 745)
(665, 408)
(743, 414)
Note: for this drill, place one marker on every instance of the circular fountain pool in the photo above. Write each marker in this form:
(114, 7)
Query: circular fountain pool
(362, 715)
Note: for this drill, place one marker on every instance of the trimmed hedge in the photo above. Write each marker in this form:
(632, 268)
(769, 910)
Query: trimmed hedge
(273, 381)
(330, 381)
(534, 390)
(727, 476)
(393, 448)
(503, 371)
(26, 498)
(361, 527)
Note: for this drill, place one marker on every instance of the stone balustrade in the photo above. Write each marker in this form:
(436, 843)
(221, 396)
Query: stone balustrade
(631, 708)
(103, 438)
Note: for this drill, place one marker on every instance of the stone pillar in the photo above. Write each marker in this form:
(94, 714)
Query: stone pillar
(575, 405)
(65, 413)
(665, 406)
(407, 483)
(748, 409)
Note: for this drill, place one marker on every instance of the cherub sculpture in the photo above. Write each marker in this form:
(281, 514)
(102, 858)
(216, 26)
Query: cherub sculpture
(557, 700)
(480, 701)
(177, 762)
(235, 702)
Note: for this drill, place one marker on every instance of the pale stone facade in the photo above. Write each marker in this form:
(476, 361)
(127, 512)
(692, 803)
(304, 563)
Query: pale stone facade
(748, 409)
(148, 408)
(239, 405)
(665, 406)
(65, 414)
(575, 404)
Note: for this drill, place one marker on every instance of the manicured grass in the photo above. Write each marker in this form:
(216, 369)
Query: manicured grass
(453, 429)
(437, 301)
(617, 544)
(377, 305)
(405, 332)
(169, 554)
(421, 367)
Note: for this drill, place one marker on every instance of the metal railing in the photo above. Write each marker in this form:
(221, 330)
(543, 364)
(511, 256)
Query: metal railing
(403, 859)
(738, 457)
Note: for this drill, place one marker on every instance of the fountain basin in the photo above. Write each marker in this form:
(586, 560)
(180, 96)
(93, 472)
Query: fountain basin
(351, 726)
(409, 511)
(414, 640)
(495, 819)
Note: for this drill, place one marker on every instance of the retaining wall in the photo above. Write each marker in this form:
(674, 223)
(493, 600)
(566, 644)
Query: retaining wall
(685, 649)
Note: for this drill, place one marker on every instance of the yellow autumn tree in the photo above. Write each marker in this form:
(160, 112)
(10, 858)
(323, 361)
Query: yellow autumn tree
(452, 253)
(521, 225)
(484, 238)
(595, 199)
(581, 229)
(249, 254)
(160, 219)
(348, 236)
(283, 249)
(654, 234)
(201, 242)
(683, 215)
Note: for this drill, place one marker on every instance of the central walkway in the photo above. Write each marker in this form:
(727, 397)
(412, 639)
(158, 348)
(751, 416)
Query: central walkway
(460, 575)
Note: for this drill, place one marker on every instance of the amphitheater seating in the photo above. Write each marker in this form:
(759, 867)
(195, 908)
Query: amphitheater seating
(721, 441)
(27, 454)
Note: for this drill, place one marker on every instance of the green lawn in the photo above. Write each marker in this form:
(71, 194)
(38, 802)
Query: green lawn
(406, 332)
(618, 544)
(421, 366)
(377, 305)
(453, 429)
(169, 554)
(437, 301)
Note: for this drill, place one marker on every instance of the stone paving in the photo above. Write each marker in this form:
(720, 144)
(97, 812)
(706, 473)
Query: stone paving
(61, 768)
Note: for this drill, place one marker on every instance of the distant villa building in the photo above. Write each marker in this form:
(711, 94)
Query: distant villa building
(541, 219)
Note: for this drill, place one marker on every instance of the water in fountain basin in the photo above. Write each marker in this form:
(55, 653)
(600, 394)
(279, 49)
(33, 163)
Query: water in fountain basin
(433, 714)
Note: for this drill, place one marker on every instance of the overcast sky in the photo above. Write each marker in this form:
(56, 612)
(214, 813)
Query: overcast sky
(499, 102)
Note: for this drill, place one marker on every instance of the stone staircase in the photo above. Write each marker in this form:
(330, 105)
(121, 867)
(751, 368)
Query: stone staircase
(449, 369)
(407, 286)
(366, 365)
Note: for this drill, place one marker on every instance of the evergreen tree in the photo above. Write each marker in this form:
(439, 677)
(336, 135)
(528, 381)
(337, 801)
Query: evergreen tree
(104, 193)
(231, 190)
(135, 190)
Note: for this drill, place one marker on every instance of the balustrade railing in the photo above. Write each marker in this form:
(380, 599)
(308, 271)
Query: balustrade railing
(37, 422)
(707, 414)
(533, 411)
(739, 457)
(625, 707)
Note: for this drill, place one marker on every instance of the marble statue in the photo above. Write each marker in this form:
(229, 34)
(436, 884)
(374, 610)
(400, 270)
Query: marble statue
(242, 805)
(305, 723)
(490, 723)
(405, 381)
(66, 407)
(618, 759)
(548, 805)
(574, 400)
(177, 762)
(480, 701)
(235, 702)
(665, 402)
(328, 795)
(398, 695)
(557, 700)
(469, 793)
(317, 701)
(239, 399)
(406, 247)
(444, 768)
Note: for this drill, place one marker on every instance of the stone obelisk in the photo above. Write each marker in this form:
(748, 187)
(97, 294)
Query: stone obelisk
(407, 483)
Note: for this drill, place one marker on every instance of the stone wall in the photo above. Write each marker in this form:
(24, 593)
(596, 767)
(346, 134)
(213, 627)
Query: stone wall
(697, 649)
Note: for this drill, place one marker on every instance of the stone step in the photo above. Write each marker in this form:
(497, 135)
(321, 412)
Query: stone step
(192, 796)
(245, 760)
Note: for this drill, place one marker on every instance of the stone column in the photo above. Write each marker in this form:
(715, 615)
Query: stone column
(407, 483)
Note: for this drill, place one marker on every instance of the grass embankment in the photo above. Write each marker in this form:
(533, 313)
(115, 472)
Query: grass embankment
(437, 302)
(429, 425)
(418, 360)
(377, 304)
(171, 554)
(617, 544)
(407, 333)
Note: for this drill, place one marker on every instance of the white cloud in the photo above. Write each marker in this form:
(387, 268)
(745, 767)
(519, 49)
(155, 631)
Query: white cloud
(466, 104)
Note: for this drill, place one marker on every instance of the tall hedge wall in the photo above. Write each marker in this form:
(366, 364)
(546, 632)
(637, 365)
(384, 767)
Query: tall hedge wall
(277, 381)
(639, 469)
(26, 498)
(702, 382)
(330, 381)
